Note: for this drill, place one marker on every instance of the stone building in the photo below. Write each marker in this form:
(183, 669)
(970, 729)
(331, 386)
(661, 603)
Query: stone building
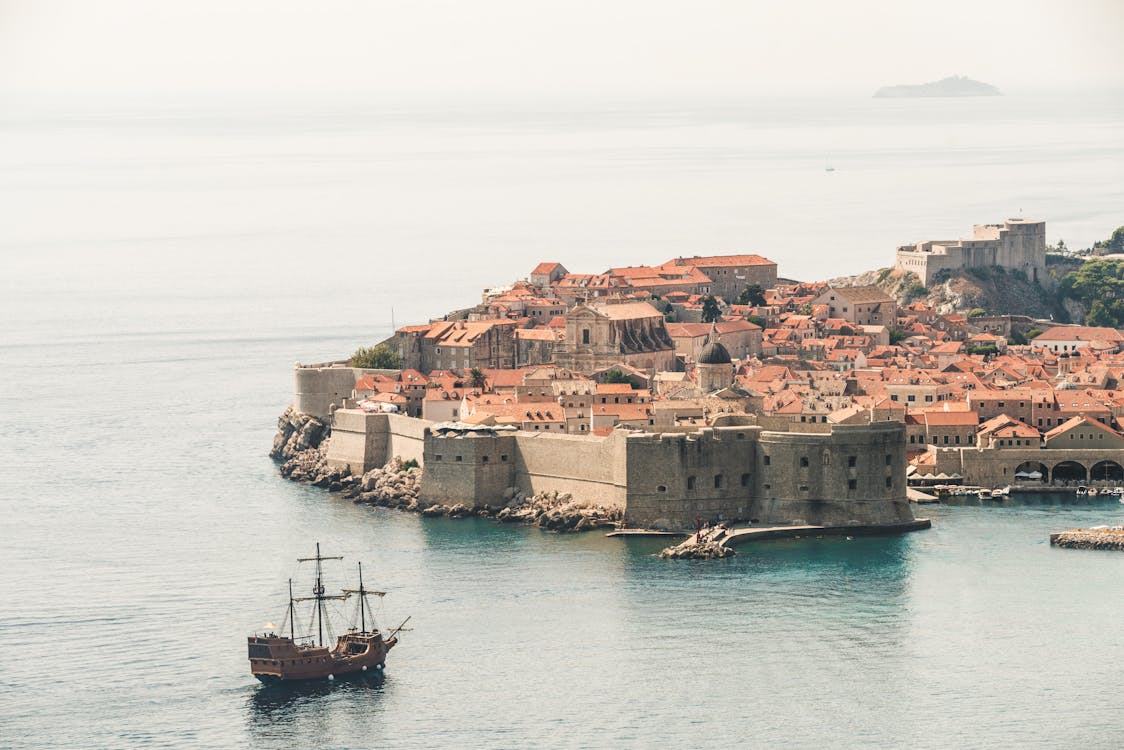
(602, 334)
(741, 338)
(1016, 244)
(458, 345)
(860, 305)
(715, 368)
(731, 274)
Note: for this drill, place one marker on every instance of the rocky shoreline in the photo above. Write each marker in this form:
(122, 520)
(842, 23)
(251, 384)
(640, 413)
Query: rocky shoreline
(1107, 539)
(301, 445)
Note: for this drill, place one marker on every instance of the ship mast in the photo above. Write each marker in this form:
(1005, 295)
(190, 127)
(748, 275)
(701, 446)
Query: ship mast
(292, 615)
(318, 591)
(363, 594)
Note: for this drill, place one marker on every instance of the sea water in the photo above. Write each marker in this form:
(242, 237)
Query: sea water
(162, 268)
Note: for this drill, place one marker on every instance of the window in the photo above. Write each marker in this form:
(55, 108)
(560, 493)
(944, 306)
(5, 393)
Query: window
(741, 436)
(851, 461)
(585, 337)
(690, 483)
(503, 457)
(719, 481)
(745, 480)
(889, 459)
(437, 457)
(766, 460)
(852, 484)
(661, 488)
(889, 482)
(459, 458)
(484, 459)
(803, 462)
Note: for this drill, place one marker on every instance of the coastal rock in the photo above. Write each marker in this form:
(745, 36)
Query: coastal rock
(1111, 538)
(705, 550)
(297, 433)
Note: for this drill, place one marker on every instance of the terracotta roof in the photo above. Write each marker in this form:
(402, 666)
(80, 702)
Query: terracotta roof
(716, 261)
(1077, 421)
(1080, 333)
(862, 294)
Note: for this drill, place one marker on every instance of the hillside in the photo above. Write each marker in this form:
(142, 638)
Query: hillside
(951, 86)
(995, 290)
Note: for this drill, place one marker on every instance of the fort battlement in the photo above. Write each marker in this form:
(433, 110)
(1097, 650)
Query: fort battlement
(854, 474)
(1017, 244)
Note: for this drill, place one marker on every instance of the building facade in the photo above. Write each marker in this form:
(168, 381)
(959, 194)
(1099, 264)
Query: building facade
(1016, 244)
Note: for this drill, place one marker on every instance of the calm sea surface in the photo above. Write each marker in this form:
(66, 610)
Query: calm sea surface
(162, 268)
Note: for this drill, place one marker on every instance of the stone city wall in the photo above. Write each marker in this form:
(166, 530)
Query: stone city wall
(362, 441)
(854, 474)
(590, 468)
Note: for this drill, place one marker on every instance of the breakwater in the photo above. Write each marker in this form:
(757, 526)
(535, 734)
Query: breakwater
(1107, 538)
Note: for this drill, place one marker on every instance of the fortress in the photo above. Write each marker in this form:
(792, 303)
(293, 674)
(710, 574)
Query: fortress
(1016, 244)
(850, 475)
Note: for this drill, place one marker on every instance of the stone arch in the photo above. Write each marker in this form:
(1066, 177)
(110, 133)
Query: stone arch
(1109, 471)
(1069, 472)
(1032, 467)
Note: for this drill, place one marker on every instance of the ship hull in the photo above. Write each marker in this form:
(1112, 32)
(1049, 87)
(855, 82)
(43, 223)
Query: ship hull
(277, 659)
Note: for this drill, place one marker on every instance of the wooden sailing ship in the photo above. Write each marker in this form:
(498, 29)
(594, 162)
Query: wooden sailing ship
(275, 657)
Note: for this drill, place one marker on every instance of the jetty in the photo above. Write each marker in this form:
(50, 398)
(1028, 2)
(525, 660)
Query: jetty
(710, 541)
(1103, 537)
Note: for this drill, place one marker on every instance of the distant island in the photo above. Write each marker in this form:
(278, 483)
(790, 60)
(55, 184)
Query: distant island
(951, 86)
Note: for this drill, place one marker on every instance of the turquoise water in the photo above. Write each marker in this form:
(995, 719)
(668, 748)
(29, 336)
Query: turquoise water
(147, 352)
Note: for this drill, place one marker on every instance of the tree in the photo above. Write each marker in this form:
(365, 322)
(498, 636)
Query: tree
(753, 295)
(897, 335)
(380, 357)
(1115, 243)
(1099, 286)
(477, 379)
(616, 376)
(710, 310)
(977, 312)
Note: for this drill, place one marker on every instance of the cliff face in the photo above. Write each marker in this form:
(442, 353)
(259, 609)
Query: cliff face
(994, 290)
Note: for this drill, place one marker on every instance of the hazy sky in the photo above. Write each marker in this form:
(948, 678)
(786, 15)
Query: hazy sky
(463, 47)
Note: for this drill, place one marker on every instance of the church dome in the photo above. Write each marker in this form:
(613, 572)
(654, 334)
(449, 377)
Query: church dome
(714, 354)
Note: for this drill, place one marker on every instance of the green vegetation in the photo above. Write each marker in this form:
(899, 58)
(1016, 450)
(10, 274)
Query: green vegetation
(897, 336)
(1114, 244)
(882, 275)
(710, 310)
(380, 357)
(985, 350)
(477, 378)
(917, 291)
(805, 309)
(756, 320)
(977, 312)
(616, 376)
(411, 464)
(753, 294)
(1099, 286)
